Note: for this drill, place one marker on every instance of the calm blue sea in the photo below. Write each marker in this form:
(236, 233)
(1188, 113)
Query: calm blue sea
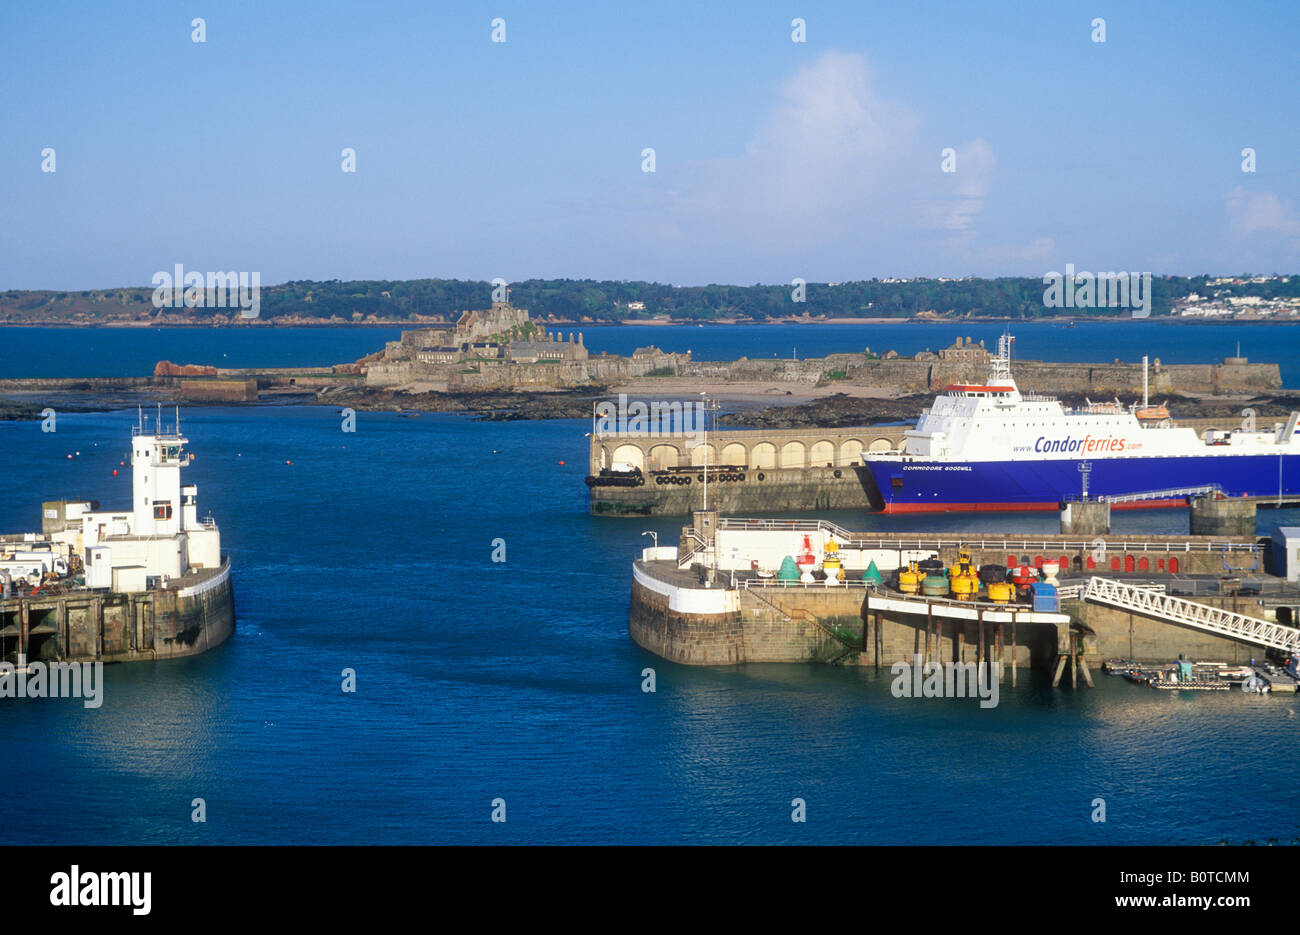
(517, 680)
(480, 680)
(110, 352)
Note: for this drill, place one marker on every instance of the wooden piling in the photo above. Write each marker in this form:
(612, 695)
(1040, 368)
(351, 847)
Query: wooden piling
(997, 638)
(880, 641)
(929, 624)
(1013, 650)
(1061, 660)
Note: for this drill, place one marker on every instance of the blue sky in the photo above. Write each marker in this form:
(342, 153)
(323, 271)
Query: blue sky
(774, 159)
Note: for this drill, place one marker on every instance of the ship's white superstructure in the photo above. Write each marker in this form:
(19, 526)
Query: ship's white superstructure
(989, 446)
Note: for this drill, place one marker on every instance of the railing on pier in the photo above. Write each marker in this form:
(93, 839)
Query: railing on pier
(1021, 544)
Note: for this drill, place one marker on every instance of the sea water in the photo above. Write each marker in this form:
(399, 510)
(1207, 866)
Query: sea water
(512, 686)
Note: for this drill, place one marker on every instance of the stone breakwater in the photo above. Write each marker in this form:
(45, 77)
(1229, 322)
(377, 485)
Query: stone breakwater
(930, 375)
(897, 375)
(194, 615)
(837, 625)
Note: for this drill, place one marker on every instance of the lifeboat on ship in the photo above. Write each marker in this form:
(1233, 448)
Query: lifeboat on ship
(1152, 413)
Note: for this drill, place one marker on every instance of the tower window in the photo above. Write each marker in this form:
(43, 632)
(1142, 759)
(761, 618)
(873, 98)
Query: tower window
(162, 510)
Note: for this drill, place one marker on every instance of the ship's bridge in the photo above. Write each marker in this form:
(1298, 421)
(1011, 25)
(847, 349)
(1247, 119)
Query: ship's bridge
(964, 415)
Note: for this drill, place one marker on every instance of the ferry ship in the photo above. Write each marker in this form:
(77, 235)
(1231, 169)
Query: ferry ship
(990, 447)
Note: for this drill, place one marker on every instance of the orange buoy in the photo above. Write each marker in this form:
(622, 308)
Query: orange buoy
(561, 464)
(115, 472)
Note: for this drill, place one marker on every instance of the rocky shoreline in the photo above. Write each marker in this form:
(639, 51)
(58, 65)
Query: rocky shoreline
(835, 411)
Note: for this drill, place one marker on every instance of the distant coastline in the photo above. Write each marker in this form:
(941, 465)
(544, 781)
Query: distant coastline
(408, 323)
(415, 303)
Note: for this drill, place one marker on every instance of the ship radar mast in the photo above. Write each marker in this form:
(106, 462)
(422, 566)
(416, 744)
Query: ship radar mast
(1000, 366)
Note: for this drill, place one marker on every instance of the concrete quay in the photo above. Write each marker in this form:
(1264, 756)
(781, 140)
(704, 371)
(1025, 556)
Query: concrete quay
(193, 615)
(705, 603)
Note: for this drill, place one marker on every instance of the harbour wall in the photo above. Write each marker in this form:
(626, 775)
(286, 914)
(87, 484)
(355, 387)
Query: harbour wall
(922, 373)
(86, 626)
(822, 625)
(818, 624)
(739, 492)
(931, 374)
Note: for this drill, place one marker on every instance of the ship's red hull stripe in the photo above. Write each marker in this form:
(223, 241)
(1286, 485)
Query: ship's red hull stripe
(1021, 507)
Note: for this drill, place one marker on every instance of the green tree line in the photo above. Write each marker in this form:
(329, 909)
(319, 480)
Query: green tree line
(1005, 297)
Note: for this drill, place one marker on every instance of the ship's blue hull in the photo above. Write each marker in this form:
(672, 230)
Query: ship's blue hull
(928, 486)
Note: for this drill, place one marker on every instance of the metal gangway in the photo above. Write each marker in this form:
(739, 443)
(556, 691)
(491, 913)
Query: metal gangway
(1154, 602)
(1167, 494)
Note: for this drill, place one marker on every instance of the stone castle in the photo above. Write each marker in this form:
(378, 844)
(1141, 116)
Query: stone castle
(503, 348)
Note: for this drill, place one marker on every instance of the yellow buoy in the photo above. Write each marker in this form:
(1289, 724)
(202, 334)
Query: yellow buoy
(831, 563)
(909, 581)
(965, 587)
(1001, 592)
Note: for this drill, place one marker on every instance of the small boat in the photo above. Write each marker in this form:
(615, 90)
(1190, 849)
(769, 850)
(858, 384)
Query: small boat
(1152, 412)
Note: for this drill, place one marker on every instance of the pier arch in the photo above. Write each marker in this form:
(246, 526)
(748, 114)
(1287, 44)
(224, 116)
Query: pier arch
(632, 454)
(697, 454)
(664, 456)
(734, 453)
(793, 455)
(851, 451)
(881, 444)
(822, 453)
(763, 455)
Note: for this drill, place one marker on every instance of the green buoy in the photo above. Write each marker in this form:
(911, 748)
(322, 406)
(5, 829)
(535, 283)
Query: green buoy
(872, 575)
(789, 570)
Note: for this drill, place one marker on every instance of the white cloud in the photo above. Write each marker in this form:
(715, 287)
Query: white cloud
(835, 180)
(974, 171)
(1261, 213)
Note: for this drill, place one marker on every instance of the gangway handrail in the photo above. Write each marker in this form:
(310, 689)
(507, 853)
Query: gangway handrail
(1166, 494)
(1154, 602)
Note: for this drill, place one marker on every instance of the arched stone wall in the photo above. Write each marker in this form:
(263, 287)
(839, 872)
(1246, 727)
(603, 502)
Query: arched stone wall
(632, 454)
(763, 455)
(734, 453)
(664, 456)
(822, 453)
(793, 455)
(697, 454)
